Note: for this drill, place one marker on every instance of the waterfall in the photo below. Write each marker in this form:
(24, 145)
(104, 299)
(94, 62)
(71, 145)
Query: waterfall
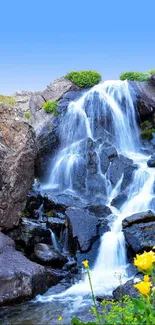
(106, 107)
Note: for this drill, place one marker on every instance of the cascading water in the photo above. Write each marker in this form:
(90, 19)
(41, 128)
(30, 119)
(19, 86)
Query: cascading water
(106, 109)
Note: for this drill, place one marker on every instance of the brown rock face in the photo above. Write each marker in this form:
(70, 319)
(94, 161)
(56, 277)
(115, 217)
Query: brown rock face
(17, 155)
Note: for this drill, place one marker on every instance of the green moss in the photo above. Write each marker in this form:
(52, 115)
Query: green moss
(147, 134)
(7, 100)
(51, 107)
(49, 214)
(151, 72)
(25, 213)
(28, 115)
(84, 79)
(136, 76)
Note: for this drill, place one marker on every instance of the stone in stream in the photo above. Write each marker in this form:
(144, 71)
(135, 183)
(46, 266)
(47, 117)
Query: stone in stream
(128, 176)
(139, 231)
(118, 201)
(151, 161)
(47, 255)
(84, 226)
(117, 167)
(21, 279)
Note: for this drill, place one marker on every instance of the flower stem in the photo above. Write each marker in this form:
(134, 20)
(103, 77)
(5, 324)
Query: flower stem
(93, 297)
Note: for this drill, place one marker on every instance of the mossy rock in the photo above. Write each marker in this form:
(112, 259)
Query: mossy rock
(7, 100)
(85, 78)
(51, 107)
(147, 134)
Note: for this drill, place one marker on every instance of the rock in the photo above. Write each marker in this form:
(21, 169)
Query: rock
(145, 98)
(100, 211)
(118, 201)
(84, 226)
(29, 233)
(104, 161)
(62, 105)
(152, 80)
(151, 161)
(128, 176)
(22, 104)
(140, 236)
(20, 278)
(73, 95)
(17, 157)
(47, 255)
(117, 168)
(34, 201)
(109, 150)
(63, 201)
(140, 217)
(36, 103)
(56, 89)
(126, 289)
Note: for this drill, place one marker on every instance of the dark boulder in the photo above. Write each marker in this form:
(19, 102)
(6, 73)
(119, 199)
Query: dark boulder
(140, 217)
(47, 255)
(140, 236)
(117, 168)
(21, 279)
(109, 150)
(128, 176)
(118, 201)
(104, 161)
(84, 226)
(151, 161)
(126, 289)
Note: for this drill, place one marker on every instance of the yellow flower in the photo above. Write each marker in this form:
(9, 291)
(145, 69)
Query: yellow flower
(85, 263)
(153, 247)
(143, 287)
(145, 260)
(146, 278)
(60, 319)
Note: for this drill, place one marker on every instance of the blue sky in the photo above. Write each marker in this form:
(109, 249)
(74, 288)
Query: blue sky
(43, 40)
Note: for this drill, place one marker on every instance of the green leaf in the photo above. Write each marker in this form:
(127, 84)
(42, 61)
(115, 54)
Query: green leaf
(138, 303)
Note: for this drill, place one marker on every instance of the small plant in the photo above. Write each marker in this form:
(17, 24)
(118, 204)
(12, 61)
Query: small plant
(7, 100)
(147, 134)
(28, 115)
(129, 310)
(51, 107)
(84, 79)
(151, 72)
(135, 76)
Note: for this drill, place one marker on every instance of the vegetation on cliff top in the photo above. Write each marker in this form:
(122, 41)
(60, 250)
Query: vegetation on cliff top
(137, 76)
(7, 100)
(84, 79)
(51, 107)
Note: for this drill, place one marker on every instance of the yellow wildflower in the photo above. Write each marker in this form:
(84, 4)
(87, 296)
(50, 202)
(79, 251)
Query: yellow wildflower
(143, 287)
(85, 263)
(146, 278)
(60, 319)
(145, 260)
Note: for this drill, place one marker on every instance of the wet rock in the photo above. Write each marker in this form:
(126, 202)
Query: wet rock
(128, 176)
(47, 255)
(100, 211)
(34, 201)
(62, 105)
(29, 233)
(140, 236)
(152, 80)
(151, 161)
(96, 185)
(84, 227)
(63, 201)
(104, 161)
(73, 95)
(57, 222)
(17, 157)
(140, 217)
(118, 201)
(109, 150)
(20, 278)
(90, 256)
(117, 167)
(125, 289)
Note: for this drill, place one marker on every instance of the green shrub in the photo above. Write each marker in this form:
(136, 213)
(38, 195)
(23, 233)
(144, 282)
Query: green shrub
(7, 100)
(84, 79)
(51, 107)
(151, 72)
(147, 134)
(136, 76)
(28, 115)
